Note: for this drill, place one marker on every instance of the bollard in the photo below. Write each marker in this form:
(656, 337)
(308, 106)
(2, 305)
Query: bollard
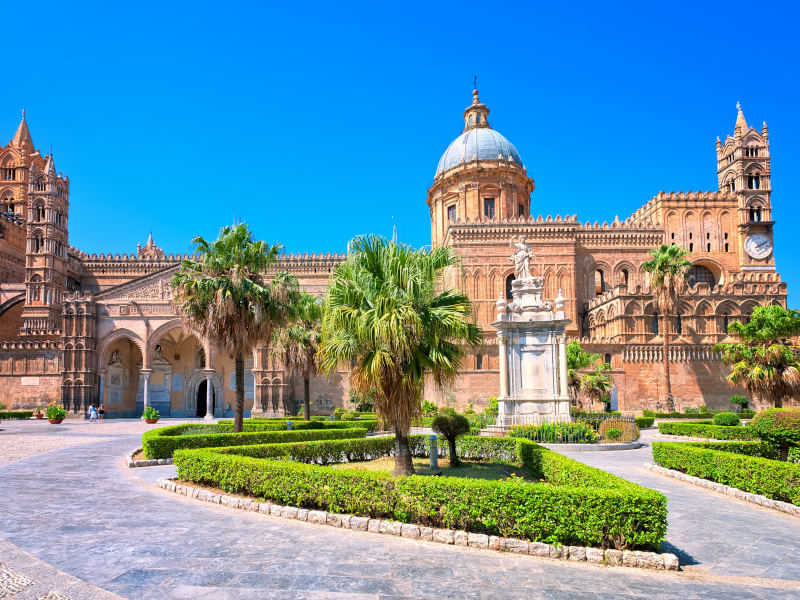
(434, 452)
(288, 425)
(333, 417)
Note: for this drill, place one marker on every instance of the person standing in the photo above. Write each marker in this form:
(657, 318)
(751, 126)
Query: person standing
(101, 411)
(92, 413)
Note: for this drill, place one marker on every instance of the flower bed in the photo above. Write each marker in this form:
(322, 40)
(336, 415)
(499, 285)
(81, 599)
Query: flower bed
(748, 466)
(15, 414)
(576, 505)
(704, 429)
(162, 442)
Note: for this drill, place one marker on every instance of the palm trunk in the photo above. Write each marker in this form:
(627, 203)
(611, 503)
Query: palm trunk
(238, 419)
(402, 453)
(307, 396)
(667, 382)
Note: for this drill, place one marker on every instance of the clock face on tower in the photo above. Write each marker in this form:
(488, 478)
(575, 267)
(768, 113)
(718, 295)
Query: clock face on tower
(758, 246)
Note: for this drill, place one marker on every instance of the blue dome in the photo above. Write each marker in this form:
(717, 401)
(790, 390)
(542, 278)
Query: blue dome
(481, 143)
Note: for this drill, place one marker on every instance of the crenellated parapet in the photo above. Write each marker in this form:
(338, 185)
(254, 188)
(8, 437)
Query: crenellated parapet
(651, 212)
(308, 263)
(30, 345)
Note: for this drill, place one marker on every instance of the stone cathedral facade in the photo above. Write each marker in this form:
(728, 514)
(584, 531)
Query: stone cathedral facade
(83, 329)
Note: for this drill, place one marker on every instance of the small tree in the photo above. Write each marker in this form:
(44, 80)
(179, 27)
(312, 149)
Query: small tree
(763, 359)
(451, 425)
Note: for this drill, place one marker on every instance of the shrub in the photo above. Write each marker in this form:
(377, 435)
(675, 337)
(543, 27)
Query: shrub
(649, 413)
(162, 442)
(556, 433)
(774, 479)
(644, 422)
(707, 430)
(54, 411)
(726, 419)
(279, 424)
(780, 427)
(794, 455)
(429, 409)
(629, 431)
(16, 414)
(612, 433)
(579, 505)
(451, 426)
(150, 413)
(740, 402)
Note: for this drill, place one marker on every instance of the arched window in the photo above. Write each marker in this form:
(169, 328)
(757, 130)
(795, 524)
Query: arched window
(599, 282)
(701, 274)
(479, 362)
(607, 358)
(39, 214)
(625, 278)
(725, 322)
(509, 280)
(654, 324)
(754, 181)
(678, 324)
(755, 214)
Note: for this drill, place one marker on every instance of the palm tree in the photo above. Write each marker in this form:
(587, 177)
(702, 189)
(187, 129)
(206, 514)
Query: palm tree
(298, 343)
(225, 296)
(667, 271)
(577, 359)
(764, 360)
(384, 316)
(597, 384)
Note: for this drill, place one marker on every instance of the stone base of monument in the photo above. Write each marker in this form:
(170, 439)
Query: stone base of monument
(533, 358)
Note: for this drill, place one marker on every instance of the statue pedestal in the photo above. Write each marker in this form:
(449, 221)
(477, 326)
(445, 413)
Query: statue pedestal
(533, 357)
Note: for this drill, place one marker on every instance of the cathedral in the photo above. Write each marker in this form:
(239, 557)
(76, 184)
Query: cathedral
(86, 329)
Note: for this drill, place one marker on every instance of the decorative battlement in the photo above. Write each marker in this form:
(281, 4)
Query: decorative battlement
(675, 198)
(30, 345)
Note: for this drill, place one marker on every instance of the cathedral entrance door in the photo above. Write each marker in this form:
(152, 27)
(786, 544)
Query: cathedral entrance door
(201, 398)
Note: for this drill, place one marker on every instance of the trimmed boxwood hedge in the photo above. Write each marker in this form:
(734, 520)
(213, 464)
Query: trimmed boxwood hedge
(577, 505)
(705, 429)
(746, 466)
(162, 442)
(645, 422)
(15, 414)
(315, 423)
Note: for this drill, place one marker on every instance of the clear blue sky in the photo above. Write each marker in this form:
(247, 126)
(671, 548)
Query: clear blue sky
(317, 122)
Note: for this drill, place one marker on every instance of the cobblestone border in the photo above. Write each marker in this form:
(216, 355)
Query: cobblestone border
(727, 490)
(624, 558)
(145, 463)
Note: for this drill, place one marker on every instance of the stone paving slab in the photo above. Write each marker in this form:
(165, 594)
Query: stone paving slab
(85, 513)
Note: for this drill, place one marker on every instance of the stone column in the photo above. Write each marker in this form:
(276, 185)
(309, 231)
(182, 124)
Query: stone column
(146, 386)
(562, 367)
(503, 359)
(102, 382)
(209, 396)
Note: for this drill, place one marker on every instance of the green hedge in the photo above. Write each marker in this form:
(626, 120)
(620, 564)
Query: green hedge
(743, 414)
(730, 465)
(15, 414)
(162, 442)
(298, 424)
(645, 422)
(578, 504)
(707, 430)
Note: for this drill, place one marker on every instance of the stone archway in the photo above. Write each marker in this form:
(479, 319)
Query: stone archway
(192, 388)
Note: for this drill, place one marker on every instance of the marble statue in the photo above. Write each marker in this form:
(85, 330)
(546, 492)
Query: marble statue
(522, 259)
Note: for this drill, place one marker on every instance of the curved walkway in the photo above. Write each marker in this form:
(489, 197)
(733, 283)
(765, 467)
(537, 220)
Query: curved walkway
(83, 512)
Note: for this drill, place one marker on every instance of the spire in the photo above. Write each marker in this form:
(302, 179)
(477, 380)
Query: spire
(22, 139)
(49, 165)
(741, 124)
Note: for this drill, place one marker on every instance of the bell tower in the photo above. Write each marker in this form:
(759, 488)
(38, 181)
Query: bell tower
(743, 168)
(46, 249)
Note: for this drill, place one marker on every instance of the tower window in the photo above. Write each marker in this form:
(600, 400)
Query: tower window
(730, 158)
(654, 324)
(691, 246)
(599, 282)
(678, 324)
(470, 119)
(8, 174)
(726, 246)
(690, 235)
(754, 181)
(488, 208)
(708, 236)
(607, 359)
(451, 213)
(625, 277)
(478, 119)
(479, 362)
(708, 247)
(521, 209)
(732, 185)
(725, 322)
(672, 235)
(755, 214)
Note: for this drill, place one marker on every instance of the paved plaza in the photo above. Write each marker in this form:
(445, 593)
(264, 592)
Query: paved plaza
(77, 523)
